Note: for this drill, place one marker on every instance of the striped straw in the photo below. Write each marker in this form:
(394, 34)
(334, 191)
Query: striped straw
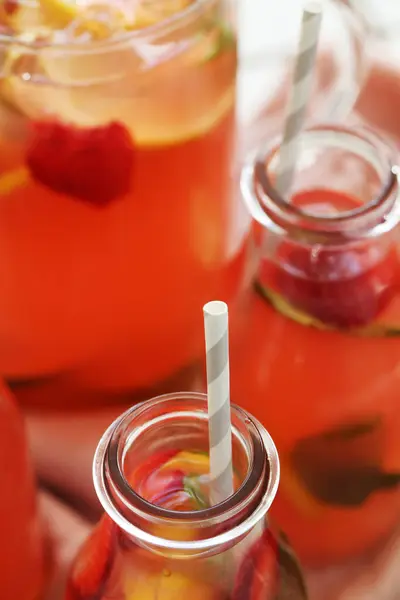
(219, 413)
(299, 96)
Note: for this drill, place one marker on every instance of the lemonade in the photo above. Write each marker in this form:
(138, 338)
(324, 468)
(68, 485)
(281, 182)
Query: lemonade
(117, 213)
(161, 538)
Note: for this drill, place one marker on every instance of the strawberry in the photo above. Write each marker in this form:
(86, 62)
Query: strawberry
(159, 480)
(344, 286)
(258, 575)
(341, 287)
(159, 486)
(93, 563)
(10, 6)
(89, 164)
(153, 463)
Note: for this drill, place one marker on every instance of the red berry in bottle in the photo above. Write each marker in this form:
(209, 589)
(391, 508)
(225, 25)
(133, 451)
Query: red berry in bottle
(148, 466)
(258, 574)
(10, 6)
(161, 486)
(93, 165)
(341, 287)
(93, 562)
(156, 482)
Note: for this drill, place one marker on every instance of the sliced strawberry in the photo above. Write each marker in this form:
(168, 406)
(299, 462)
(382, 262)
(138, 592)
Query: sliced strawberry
(162, 480)
(93, 563)
(159, 486)
(342, 288)
(90, 164)
(153, 463)
(258, 574)
(10, 6)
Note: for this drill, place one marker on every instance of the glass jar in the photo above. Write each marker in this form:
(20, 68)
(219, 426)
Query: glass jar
(22, 549)
(143, 548)
(117, 131)
(317, 359)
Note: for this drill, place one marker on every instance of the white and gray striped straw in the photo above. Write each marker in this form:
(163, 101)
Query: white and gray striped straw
(299, 96)
(218, 392)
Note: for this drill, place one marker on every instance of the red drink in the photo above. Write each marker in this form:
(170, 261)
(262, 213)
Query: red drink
(169, 542)
(115, 192)
(318, 357)
(21, 549)
(340, 288)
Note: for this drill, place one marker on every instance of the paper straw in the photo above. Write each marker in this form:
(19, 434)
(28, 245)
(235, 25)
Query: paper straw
(299, 96)
(219, 413)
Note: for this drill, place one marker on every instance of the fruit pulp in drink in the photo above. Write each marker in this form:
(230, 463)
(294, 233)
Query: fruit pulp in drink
(316, 360)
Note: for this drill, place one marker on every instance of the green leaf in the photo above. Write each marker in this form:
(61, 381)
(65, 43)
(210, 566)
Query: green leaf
(287, 310)
(192, 488)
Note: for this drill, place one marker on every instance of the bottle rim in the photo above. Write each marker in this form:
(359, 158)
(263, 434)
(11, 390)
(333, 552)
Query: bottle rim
(107, 469)
(272, 210)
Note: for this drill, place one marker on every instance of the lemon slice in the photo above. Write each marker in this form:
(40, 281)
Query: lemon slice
(141, 19)
(288, 310)
(163, 117)
(15, 60)
(59, 13)
(381, 327)
(189, 462)
(12, 180)
(183, 130)
(12, 57)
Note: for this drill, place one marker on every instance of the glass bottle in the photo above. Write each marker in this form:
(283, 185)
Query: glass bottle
(22, 564)
(317, 360)
(164, 540)
(269, 34)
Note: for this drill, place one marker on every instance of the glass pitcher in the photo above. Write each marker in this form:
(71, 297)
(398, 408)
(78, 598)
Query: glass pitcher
(119, 211)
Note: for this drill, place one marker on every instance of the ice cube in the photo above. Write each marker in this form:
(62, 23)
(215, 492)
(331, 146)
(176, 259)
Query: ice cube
(97, 22)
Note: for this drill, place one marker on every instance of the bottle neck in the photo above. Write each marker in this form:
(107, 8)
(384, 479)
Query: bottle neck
(179, 422)
(351, 163)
